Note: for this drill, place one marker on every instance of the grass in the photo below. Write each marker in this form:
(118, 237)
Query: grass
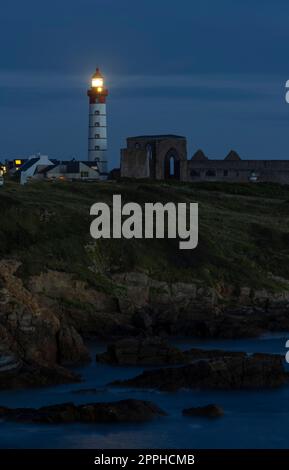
(243, 232)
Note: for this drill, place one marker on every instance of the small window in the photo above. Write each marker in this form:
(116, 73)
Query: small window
(97, 136)
(96, 124)
(237, 173)
(137, 145)
(96, 147)
(226, 172)
(96, 113)
(195, 173)
(84, 174)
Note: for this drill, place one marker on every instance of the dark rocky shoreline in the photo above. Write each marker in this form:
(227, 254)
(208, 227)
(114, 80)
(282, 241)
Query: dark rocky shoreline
(41, 334)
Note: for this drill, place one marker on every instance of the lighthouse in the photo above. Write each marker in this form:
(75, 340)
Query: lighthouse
(97, 138)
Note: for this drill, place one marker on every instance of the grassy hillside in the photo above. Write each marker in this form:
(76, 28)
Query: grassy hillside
(243, 239)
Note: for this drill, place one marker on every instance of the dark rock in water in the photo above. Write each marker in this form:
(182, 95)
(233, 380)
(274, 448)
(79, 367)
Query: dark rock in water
(227, 373)
(208, 411)
(114, 412)
(144, 351)
(71, 347)
(34, 375)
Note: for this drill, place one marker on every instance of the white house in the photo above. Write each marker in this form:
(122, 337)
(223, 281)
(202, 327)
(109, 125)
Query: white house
(33, 166)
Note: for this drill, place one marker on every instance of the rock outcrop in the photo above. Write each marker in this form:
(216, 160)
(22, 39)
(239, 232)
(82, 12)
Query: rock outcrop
(208, 411)
(194, 309)
(133, 411)
(35, 375)
(141, 351)
(42, 320)
(89, 311)
(71, 349)
(227, 373)
(34, 341)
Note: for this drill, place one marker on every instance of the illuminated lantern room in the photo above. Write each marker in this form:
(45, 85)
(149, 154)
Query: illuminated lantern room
(97, 87)
(97, 81)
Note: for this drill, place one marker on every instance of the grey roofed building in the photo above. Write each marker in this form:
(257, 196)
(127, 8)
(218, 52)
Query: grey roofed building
(41, 167)
(28, 164)
(72, 170)
(30, 169)
(14, 164)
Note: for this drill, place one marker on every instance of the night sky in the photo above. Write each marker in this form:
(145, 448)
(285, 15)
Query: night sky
(214, 71)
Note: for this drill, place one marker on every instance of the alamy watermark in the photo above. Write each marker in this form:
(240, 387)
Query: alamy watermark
(154, 220)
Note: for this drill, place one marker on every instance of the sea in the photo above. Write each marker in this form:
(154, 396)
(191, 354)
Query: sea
(253, 419)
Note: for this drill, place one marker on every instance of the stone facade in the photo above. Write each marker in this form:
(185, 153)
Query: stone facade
(157, 157)
(165, 157)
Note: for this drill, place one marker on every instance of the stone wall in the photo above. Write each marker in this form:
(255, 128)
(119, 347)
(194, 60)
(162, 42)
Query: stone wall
(134, 163)
(276, 171)
(145, 156)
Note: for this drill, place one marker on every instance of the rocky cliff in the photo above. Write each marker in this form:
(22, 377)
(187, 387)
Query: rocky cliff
(57, 286)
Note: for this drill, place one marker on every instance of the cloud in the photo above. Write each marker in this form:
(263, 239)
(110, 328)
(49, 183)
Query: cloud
(195, 85)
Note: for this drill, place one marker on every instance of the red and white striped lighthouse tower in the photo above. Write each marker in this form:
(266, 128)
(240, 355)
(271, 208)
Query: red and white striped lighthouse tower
(97, 138)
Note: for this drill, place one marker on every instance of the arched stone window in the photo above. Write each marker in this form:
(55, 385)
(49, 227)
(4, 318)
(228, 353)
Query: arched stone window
(172, 165)
(195, 173)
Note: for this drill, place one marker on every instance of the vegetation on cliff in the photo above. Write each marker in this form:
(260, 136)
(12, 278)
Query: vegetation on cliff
(243, 234)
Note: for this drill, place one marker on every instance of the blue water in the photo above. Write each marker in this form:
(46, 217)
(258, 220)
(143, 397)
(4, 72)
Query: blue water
(253, 419)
